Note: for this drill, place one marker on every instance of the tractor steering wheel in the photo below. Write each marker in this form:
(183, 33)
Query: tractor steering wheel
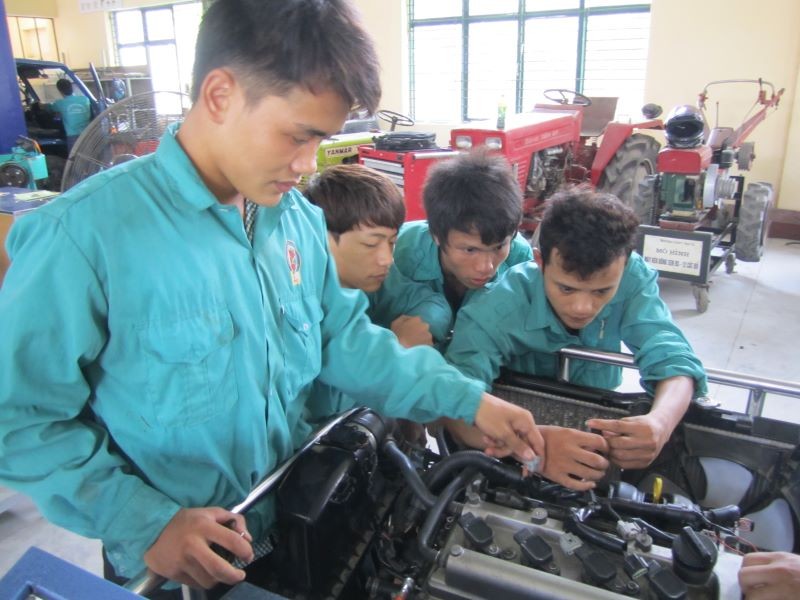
(394, 118)
(560, 96)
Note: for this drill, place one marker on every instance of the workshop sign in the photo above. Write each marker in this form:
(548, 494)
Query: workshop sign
(675, 253)
(87, 6)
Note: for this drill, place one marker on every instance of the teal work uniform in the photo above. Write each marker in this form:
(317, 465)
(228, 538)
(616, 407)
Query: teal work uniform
(400, 295)
(76, 112)
(416, 256)
(153, 358)
(512, 325)
(396, 297)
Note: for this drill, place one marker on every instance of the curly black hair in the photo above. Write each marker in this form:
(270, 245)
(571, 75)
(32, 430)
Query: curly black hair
(590, 230)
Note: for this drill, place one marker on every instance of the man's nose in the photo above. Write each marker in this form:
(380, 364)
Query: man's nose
(305, 161)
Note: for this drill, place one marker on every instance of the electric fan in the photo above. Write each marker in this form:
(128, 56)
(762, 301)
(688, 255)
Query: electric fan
(127, 129)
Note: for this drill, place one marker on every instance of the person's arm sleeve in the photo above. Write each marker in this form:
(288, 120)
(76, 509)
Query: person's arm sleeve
(480, 344)
(367, 362)
(51, 447)
(660, 349)
(400, 295)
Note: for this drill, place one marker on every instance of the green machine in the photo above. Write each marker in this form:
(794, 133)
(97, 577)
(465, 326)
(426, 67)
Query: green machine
(24, 167)
(341, 148)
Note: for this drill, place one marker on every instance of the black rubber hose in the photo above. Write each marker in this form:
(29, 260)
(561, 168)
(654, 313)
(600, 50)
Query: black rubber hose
(598, 538)
(435, 514)
(487, 465)
(409, 472)
(441, 442)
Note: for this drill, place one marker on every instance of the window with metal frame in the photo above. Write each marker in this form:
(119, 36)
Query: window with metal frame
(469, 56)
(33, 37)
(162, 38)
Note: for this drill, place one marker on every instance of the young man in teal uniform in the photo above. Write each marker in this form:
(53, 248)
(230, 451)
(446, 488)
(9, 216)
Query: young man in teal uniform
(474, 207)
(363, 211)
(197, 301)
(586, 288)
(76, 111)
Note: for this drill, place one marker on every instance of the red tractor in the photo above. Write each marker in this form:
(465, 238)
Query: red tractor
(695, 214)
(570, 141)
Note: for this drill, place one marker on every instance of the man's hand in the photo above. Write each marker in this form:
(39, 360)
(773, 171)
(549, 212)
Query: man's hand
(770, 576)
(412, 331)
(572, 457)
(183, 550)
(633, 442)
(508, 429)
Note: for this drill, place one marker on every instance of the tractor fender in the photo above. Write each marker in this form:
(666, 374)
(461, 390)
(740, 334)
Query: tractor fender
(614, 136)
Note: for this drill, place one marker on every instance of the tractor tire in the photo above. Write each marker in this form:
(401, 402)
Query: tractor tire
(644, 203)
(635, 160)
(753, 223)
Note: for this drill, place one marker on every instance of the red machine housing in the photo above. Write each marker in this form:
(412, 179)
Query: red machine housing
(408, 169)
(524, 134)
(690, 161)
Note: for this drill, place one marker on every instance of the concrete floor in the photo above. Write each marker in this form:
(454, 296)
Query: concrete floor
(752, 326)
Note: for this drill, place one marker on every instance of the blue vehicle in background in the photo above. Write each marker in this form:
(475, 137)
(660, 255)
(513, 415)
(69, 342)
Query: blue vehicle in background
(45, 134)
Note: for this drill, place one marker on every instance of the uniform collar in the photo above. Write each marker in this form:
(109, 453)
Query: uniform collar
(542, 314)
(188, 189)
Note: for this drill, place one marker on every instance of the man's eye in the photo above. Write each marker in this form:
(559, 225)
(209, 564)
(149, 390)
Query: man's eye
(300, 141)
(565, 290)
(375, 245)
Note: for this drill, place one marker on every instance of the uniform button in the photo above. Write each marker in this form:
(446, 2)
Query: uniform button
(305, 326)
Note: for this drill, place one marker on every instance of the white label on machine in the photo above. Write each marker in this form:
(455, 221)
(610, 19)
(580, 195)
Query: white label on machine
(674, 255)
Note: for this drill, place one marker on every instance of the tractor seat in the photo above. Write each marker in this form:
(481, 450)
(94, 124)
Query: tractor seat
(599, 114)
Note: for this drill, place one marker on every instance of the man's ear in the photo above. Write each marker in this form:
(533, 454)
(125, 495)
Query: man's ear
(537, 256)
(216, 93)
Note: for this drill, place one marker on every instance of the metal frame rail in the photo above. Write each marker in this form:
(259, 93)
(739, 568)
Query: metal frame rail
(758, 387)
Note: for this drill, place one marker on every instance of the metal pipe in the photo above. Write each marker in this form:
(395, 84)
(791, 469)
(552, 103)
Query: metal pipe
(148, 581)
(758, 386)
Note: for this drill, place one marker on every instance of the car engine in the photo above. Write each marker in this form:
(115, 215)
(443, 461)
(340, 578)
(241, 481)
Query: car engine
(365, 513)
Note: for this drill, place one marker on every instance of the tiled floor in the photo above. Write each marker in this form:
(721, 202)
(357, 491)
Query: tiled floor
(752, 326)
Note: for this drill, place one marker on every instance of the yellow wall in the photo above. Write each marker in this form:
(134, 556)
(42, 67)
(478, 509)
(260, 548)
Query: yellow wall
(692, 43)
(32, 8)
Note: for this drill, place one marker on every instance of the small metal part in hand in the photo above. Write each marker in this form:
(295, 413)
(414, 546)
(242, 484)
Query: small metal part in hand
(533, 464)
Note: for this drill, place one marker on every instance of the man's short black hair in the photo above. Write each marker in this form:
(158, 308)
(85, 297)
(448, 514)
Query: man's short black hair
(276, 45)
(64, 86)
(475, 191)
(355, 195)
(590, 229)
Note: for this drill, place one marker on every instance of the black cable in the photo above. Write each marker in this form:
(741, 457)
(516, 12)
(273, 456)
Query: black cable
(409, 472)
(441, 442)
(434, 514)
(486, 464)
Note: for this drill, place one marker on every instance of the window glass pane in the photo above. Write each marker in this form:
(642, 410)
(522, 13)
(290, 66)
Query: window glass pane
(187, 23)
(492, 68)
(29, 38)
(551, 49)
(430, 9)
(493, 7)
(534, 5)
(129, 27)
(132, 56)
(159, 24)
(616, 59)
(437, 82)
(13, 33)
(164, 67)
(47, 39)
